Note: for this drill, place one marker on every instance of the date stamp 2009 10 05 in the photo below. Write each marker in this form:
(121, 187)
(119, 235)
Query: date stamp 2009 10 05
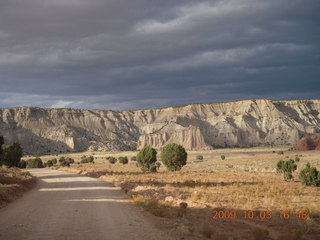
(263, 214)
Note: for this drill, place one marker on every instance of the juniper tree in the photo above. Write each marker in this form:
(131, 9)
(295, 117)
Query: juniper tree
(286, 168)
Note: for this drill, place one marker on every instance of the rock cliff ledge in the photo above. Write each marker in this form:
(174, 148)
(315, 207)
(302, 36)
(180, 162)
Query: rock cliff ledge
(197, 126)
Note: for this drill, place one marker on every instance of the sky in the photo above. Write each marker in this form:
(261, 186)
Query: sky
(136, 54)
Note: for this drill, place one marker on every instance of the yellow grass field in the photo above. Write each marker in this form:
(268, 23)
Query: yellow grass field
(242, 188)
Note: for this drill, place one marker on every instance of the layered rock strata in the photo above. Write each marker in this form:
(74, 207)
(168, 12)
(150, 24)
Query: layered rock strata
(197, 126)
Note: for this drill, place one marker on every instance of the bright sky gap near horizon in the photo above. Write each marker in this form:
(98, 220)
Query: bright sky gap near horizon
(134, 54)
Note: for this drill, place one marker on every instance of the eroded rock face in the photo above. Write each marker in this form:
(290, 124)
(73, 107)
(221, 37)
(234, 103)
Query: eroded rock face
(198, 126)
(190, 138)
(310, 142)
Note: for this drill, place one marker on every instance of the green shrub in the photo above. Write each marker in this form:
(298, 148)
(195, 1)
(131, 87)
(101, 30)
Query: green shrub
(35, 163)
(123, 160)
(223, 157)
(280, 152)
(134, 158)
(85, 159)
(22, 164)
(286, 167)
(54, 161)
(69, 160)
(11, 155)
(49, 163)
(199, 157)
(146, 159)
(112, 160)
(64, 164)
(297, 159)
(173, 156)
(90, 159)
(310, 176)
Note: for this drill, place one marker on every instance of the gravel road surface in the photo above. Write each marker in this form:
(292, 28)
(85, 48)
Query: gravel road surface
(74, 207)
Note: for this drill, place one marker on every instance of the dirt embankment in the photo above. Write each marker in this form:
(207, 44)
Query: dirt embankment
(310, 142)
(13, 183)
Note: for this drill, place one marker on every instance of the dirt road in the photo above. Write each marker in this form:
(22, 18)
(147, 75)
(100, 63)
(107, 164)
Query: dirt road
(71, 206)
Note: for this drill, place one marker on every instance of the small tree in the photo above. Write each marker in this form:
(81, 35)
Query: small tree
(286, 167)
(35, 163)
(310, 176)
(223, 157)
(90, 159)
(12, 154)
(173, 156)
(64, 163)
(134, 158)
(123, 160)
(112, 160)
(54, 161)
(62, 159)
(85, 159)
(146, 159)
(49, 163)
(69, 160)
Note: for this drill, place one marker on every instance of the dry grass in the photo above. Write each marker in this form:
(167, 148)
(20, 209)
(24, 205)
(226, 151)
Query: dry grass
(245, 180)
(13, 182)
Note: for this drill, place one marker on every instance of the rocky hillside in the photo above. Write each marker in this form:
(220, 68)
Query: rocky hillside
(197, 126)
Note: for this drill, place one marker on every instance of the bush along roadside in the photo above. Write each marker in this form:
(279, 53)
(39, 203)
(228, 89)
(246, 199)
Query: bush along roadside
(14, 182)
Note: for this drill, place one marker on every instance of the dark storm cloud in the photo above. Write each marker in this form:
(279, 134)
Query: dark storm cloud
(142, 53)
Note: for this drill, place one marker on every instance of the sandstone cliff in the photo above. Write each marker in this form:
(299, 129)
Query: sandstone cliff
(196, 126)
(189, 137)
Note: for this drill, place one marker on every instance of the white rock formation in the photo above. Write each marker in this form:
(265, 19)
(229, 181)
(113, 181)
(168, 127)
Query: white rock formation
(197, 126)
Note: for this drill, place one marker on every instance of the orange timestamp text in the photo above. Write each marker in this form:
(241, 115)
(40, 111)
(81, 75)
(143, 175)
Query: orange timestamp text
(261, 214)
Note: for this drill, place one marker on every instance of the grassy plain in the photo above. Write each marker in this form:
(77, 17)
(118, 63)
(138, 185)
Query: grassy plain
(245, 181)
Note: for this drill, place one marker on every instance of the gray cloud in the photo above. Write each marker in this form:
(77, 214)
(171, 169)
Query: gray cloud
(141, 54)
